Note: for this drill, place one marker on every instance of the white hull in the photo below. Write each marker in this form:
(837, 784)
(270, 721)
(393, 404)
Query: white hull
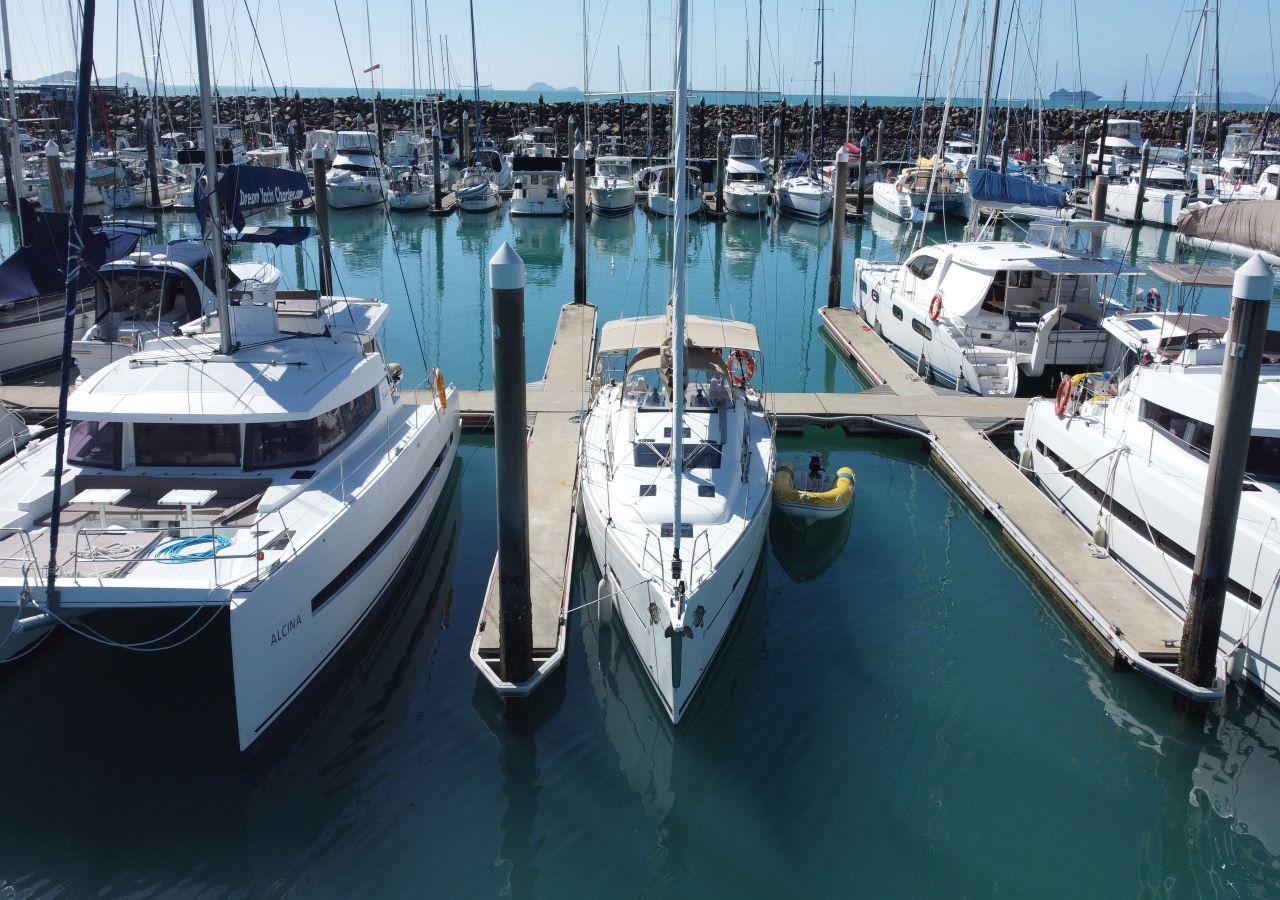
(909, 207)
(612, 201)
(663, 205)
(747, 203)
(34, 344)
(532, 206)
(355, 193)
(1160, 206)
(407, 201)
(136, 196)
(804, 203)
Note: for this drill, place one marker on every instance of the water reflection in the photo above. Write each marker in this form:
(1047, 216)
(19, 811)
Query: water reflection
(540, 242)
(612, 235)
(743, 241)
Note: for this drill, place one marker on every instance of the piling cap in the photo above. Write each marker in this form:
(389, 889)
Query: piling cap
(506, 269)
(317, 152)
(579, 152)
(1254, 281)
(51, 149)
(842, 155)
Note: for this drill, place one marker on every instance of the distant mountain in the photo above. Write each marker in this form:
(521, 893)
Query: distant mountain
(543, 87)
(1243, 97)
(124, 79)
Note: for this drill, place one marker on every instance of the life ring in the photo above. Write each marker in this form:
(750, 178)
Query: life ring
(935, 307)
(746, 365)
(438, 379)
(1063, 397)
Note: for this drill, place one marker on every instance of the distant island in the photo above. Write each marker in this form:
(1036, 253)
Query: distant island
(543, 87)
(1081, 97)
(123, 79)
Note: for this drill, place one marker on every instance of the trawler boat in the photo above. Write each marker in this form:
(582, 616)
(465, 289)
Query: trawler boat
(1166, 197)
(1121, 149)
(1064, 163)
(538, 178)
(746, 184)
(33, 285)
(146, 297)
(677, 454)
(476, 191)
(407, 150)
(611, 190)
(659, 181)
(1125, 454)
(905, 197)
(1239, 141)
(976, 316)
(356, 177)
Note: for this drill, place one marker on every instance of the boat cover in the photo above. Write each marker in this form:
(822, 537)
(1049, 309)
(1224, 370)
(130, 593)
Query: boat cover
(1254, 224)
(621, 335)
(247, 189)
(986, 184)
(40, 267)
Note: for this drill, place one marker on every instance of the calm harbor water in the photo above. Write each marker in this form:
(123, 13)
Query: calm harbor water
(899, 711)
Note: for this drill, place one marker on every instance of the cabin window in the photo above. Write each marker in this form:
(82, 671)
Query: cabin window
(922, 329)
(897, 313)
(169, 444)
(278, 445)
(651, 455)
(1262, 463)
(95, 444)
(922, 266)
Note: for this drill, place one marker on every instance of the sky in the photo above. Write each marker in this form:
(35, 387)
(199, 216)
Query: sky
(874, 46)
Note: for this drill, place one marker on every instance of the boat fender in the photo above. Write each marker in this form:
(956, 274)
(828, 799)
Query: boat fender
(605, 598)
(394, 372)
(1026, 460)
(438, 380)
(935, 307)
(1100, 535)
(746, 367)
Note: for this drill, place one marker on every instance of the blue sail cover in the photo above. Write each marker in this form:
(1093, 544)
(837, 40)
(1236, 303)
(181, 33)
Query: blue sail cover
(245, 190)
(986, 184)
(40, 267)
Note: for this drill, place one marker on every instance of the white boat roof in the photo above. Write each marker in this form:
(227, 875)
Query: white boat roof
(285, 379)
(621, 335)
(1193, 391)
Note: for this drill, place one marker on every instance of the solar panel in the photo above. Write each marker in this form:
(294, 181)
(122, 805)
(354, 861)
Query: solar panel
(1072, 265)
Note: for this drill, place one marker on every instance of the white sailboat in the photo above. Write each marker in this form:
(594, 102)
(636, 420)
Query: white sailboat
(807, 194)
(676, 460)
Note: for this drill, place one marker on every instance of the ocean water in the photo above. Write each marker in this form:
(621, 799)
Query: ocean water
(899, 711)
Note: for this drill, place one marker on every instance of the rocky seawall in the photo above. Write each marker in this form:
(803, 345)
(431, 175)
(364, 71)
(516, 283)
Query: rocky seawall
(123, 115)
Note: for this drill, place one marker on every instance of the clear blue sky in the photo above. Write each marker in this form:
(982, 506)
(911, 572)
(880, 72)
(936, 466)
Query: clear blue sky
(1142, 43)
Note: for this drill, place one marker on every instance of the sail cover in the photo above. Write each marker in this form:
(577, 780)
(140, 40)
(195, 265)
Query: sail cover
(1252, 224)
(986, 184)
(244, 190)
(40, 267)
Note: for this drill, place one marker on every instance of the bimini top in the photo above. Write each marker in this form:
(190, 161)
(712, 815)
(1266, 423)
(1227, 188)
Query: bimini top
(648, 332)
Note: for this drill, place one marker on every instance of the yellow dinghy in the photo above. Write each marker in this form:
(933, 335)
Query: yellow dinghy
(819, 496)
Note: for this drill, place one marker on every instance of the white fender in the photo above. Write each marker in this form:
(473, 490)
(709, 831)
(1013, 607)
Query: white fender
(605, 598)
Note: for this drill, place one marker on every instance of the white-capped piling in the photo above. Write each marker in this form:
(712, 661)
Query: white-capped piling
(53, 164)
(511, 441)
(579, 224)
(837, 226)
(1228, 454)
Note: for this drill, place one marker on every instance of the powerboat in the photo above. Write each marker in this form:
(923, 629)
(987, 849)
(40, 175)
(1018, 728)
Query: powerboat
(356, 177)
(746, 184)
(1125, 453)
(538, 177)
(676, 457)
(1064, 164)
(975, 316)
(611, 190)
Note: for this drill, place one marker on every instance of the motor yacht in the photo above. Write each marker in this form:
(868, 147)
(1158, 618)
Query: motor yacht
(356, 177)
(746, 183)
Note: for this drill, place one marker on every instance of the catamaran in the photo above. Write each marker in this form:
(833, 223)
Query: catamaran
(677, 454)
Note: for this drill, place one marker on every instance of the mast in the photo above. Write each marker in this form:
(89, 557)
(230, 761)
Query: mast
(678, 153)
(413, 61)
(211, 177)
(848, 100)
(586, 81)
(822, 78)
(648, 52)
(475, 77)
(75, 239)
(15, 145)
(984, 125)
(1195, 98)
(759, 51)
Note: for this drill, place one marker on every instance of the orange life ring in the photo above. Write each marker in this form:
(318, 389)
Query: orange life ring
(1063, 397)
(935, 307)
(746, 365)
(438, 379)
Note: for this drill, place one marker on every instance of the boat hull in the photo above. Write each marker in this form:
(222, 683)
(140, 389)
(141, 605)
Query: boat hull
(34, 345)
(748, 204)
(356, 193)
(532, 206)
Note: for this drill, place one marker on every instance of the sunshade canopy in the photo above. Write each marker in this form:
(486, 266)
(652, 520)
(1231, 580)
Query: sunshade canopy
(621, 335)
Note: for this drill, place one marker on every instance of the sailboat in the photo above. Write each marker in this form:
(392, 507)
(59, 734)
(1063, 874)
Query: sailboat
(807, 194)
(263, 467)
(677, 460)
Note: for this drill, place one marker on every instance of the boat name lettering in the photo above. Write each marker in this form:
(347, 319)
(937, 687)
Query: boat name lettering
(285, 630)
(269, 196)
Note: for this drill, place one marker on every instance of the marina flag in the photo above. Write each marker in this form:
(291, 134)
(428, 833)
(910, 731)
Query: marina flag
(373, 68)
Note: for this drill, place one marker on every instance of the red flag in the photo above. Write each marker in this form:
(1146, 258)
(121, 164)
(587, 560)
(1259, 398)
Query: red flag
(373, 68)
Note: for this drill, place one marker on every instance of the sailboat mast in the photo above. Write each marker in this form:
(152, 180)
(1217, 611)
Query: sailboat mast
(759, 56)
(648, 52)
(680, 179)
(413, 61)
(984, 125)
(475, 76)
(586, 81)
(1195, 98)
(822, 74)
(75, 225)
(15, 145)
(211, 176)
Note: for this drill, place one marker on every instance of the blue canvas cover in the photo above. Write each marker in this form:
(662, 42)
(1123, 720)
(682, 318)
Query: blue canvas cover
(40, 267)
(986, 184)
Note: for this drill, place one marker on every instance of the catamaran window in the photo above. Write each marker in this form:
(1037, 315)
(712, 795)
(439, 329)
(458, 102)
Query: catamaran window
(1262, 464)
(650, 455)
(922, 267)
(922, 329)
(167, 444)
(95, 444)
(278, 445)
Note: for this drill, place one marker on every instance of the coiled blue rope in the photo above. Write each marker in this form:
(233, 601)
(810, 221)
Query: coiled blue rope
(175, 551)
